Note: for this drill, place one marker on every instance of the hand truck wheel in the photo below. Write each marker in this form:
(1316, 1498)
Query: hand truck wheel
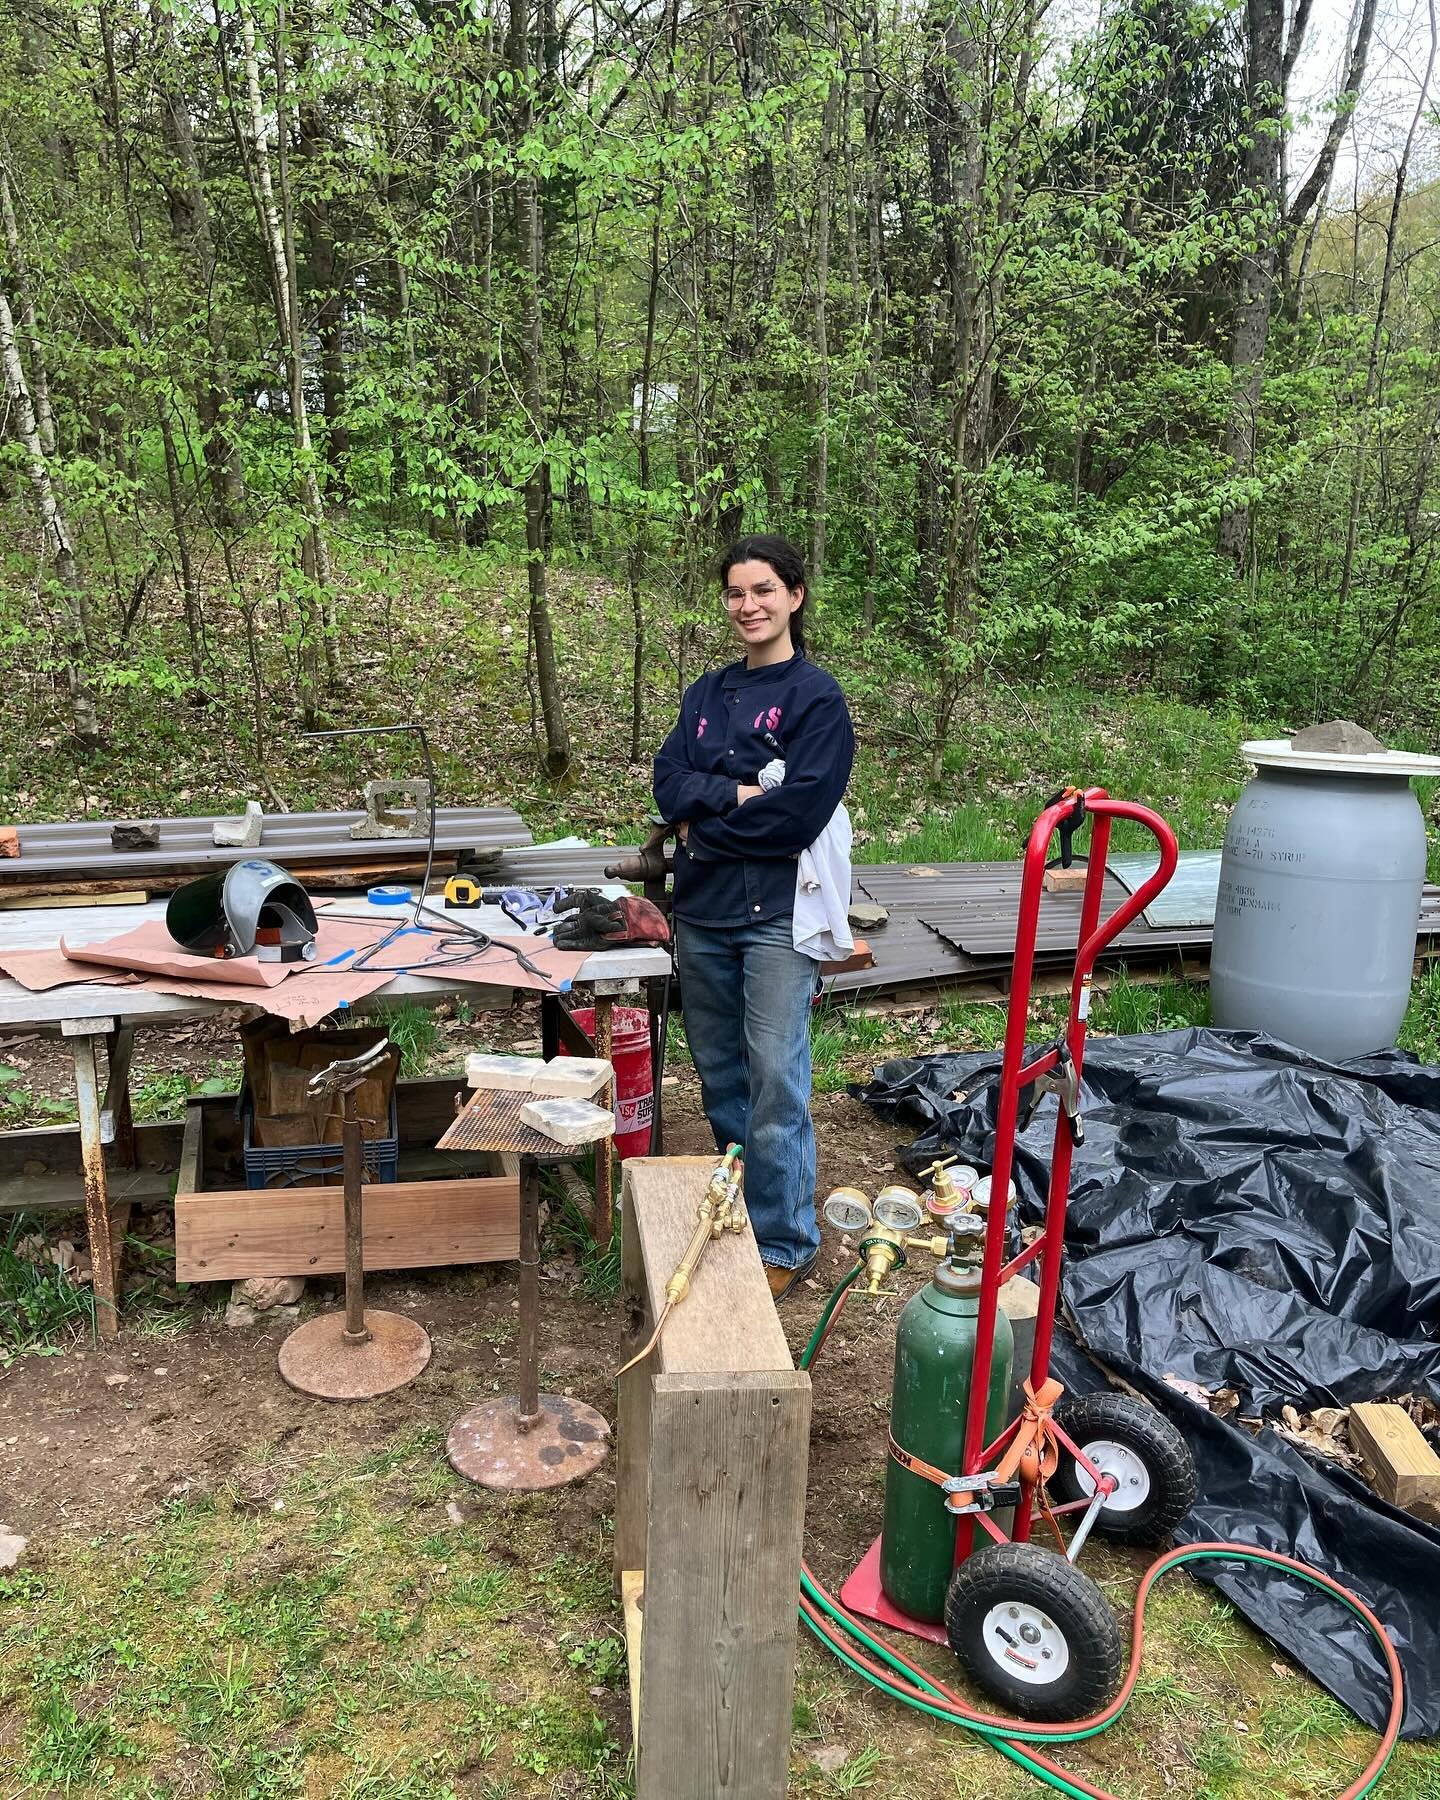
(1033, 1631)
(1128, 1439)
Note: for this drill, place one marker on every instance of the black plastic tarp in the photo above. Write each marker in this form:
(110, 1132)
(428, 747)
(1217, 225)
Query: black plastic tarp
(1244, 1216)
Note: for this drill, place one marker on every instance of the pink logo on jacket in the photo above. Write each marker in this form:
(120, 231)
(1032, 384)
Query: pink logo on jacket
(700, 728)
(767, 721)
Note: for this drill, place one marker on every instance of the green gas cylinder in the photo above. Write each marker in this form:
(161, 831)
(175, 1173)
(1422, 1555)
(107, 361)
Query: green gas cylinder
(934, 1351)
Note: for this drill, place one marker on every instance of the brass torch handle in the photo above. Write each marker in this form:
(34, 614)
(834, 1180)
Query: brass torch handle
(678, 1285)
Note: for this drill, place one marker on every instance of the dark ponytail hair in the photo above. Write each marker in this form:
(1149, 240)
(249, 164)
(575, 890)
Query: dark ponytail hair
(785, 560)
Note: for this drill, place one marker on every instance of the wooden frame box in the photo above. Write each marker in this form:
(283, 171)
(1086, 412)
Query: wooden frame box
(469, 1214)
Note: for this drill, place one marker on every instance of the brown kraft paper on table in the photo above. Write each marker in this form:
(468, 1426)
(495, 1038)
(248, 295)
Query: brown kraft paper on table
(304, 1000)
(498, 968)
(41, 970)
(150, 950)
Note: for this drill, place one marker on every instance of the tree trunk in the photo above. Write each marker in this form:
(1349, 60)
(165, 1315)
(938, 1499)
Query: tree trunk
(1382, 307)
(820, 477)
(54, 531)
(316, 557)
(875, 243)
(532, 342)
(326, 276)
(190, 226)
(20, 275)
(1265, 90)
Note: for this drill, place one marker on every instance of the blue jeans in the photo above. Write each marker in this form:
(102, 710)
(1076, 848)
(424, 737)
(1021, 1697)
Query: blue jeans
(746, 992)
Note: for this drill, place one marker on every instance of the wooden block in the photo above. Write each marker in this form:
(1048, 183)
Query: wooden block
(37, 902)
(713, 1435)
(408, 1225)
(861, 957)
(1406, 1470)
(1067, 881)
(735, 1326)
(726, 1508)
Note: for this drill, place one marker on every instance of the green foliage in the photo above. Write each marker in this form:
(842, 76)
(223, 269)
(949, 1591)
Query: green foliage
(1016, 361)
(41, 1306)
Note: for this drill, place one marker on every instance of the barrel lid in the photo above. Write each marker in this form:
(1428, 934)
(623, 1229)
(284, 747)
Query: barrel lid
(1285, 753)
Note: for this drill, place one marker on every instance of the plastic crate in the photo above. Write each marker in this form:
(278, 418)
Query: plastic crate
(286, 1164)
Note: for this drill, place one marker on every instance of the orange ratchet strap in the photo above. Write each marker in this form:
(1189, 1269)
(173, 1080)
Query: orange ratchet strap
(1032, 1456)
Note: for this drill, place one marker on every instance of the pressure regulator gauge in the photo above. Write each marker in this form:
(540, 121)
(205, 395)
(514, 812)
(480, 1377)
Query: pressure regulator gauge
(897, 1209)
(847, 1209)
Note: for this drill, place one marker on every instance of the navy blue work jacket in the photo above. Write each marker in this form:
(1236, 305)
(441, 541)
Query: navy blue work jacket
(739, 866)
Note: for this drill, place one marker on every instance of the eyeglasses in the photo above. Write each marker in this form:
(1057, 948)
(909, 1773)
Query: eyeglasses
(735, 598)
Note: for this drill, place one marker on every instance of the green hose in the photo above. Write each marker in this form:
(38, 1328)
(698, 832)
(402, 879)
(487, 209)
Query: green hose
(1009, 1738)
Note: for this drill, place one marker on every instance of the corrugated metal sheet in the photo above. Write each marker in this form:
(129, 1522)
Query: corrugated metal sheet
(83, 849)
(951, 924)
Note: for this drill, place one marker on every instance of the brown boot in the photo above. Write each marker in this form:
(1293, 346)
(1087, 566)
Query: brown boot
(784, 1281)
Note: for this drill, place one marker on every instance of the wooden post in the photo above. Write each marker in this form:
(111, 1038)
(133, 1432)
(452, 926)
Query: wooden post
(83, 1035)
(710, 1507)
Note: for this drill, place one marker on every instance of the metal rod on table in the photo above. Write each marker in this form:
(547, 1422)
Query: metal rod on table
(356, 1331)
(528, 1413)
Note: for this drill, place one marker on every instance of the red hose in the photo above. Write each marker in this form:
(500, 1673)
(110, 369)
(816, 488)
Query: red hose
(968, 1715)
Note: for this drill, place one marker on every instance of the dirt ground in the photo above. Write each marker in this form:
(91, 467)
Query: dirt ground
(184, 1417)
(122, 1428)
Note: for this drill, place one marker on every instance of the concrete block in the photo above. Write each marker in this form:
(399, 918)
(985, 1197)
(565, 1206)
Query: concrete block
(240, 834)
(568, 1121)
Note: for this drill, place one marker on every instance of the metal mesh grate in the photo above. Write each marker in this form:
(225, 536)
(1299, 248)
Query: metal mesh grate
(491, 1121)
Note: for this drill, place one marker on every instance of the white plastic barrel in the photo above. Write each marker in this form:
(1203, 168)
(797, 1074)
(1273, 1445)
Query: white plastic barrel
(1320, 883)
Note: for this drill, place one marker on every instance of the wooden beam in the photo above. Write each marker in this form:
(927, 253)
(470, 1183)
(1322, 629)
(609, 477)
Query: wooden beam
(713, 1432)
(722, 1578)
(97, 1188)
(64, 1191)
(1405, 1470)
(632, 1600)
(735, 1325)
(301, 1231)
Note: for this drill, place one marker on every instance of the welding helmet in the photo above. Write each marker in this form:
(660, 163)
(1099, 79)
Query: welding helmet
(253, 906)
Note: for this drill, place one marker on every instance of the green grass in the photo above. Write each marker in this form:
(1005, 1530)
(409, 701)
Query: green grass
(415, 1032)
(243, 1653)
(41, 1307)
(570, 1232)
(1011, 754)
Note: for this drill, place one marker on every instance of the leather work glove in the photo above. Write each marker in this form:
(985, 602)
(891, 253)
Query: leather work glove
(590, 921)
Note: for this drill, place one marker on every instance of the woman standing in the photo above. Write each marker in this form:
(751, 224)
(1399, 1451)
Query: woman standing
(745, 988)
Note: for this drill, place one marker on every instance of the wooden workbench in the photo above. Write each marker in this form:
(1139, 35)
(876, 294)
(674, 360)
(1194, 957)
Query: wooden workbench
(92, 1020)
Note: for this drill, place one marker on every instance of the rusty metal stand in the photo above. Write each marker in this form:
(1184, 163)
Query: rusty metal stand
(526, 1441)
(357, 1354)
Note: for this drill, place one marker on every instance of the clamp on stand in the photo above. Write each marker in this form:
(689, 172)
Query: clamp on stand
(1064, 1080)
(355, 1354)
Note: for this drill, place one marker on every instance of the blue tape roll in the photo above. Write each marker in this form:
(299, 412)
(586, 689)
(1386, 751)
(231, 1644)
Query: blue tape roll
(389, 896)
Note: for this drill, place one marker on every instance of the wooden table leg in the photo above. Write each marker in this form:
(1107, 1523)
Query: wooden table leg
(97, 1189)
(550, 1005)
(116, 1122)
(605, 1147)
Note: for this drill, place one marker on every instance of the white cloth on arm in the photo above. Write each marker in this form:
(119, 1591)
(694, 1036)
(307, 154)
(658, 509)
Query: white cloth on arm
(822, 883)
